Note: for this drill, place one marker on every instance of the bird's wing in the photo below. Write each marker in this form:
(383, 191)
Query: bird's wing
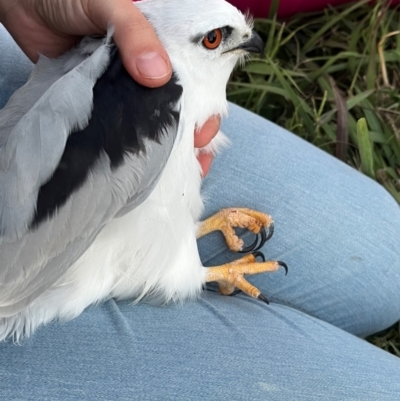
(35, 125)
(77, 148)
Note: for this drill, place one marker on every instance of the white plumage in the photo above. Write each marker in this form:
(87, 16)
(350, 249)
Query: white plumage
(151, 251)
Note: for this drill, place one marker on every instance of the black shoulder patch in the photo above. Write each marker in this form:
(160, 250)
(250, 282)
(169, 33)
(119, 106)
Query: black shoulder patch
(124, 113)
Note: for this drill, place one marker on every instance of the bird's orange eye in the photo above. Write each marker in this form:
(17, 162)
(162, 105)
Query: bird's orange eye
(213, 39)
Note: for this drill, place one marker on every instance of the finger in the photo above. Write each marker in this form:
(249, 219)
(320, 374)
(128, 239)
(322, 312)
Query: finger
(205, 160)
(142, 53)
(207, 132)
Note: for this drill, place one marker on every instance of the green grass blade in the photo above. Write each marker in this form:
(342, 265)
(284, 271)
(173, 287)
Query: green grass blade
(366, 148)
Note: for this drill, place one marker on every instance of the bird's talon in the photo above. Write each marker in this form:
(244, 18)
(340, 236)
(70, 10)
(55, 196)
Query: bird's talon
(228, 219)
(259, 254)
(231, 275)
(263, 235)
(264, 239)
(271, 229)
(263, 298)
(232, 294)
(284, 265)
(251, 247)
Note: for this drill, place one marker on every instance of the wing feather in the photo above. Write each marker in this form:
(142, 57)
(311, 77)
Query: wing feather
(35, 125)
(116, 170)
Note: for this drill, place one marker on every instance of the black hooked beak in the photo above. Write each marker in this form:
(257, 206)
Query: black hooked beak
(254, 45)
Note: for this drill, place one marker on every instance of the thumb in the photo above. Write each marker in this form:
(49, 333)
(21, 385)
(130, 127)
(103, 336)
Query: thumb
(142, 53)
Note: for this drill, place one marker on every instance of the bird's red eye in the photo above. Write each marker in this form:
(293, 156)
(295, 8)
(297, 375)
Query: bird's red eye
(213, 39)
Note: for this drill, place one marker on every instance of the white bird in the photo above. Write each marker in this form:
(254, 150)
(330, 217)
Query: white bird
(100, 181)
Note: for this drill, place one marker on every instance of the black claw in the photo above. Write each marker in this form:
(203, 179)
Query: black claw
(263, 236)
(264, 239)
(263, 298)
(259, 254)
(284, 265)
(250, 247)
(271, 229)
(232, 294)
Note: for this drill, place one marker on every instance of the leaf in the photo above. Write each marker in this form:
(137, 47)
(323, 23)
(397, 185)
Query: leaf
(366, 148)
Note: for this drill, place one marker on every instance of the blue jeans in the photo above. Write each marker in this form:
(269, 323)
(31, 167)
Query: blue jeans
(337, 230)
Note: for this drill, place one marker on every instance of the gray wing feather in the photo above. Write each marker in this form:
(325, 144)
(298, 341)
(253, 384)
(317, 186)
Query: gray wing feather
(35, 125)
(32, 263)
(33, 260)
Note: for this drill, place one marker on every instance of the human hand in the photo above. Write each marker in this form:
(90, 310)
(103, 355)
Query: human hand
(51, 27)
(202, 138)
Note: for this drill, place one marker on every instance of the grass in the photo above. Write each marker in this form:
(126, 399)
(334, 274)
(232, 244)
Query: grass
(333, 78)
(389, 340)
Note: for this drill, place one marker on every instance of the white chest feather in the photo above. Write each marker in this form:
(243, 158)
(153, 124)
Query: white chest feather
(152, 251)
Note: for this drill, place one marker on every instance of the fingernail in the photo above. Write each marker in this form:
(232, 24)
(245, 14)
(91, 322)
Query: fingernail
(152, 65)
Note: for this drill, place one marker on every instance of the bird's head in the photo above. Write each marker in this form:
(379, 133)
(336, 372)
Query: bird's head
(204, 39)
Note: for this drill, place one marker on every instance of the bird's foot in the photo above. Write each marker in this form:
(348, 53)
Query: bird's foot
(231, 275)
(225, 221)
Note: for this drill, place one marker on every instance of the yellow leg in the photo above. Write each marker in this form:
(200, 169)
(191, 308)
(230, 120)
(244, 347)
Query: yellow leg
(225, 221)
(231, 275)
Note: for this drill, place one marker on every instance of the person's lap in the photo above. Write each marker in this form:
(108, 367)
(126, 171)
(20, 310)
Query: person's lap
(337, 230)
(334, 228)
(218, 348)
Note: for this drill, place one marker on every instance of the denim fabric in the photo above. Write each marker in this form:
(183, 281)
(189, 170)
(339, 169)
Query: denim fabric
(337, 230)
